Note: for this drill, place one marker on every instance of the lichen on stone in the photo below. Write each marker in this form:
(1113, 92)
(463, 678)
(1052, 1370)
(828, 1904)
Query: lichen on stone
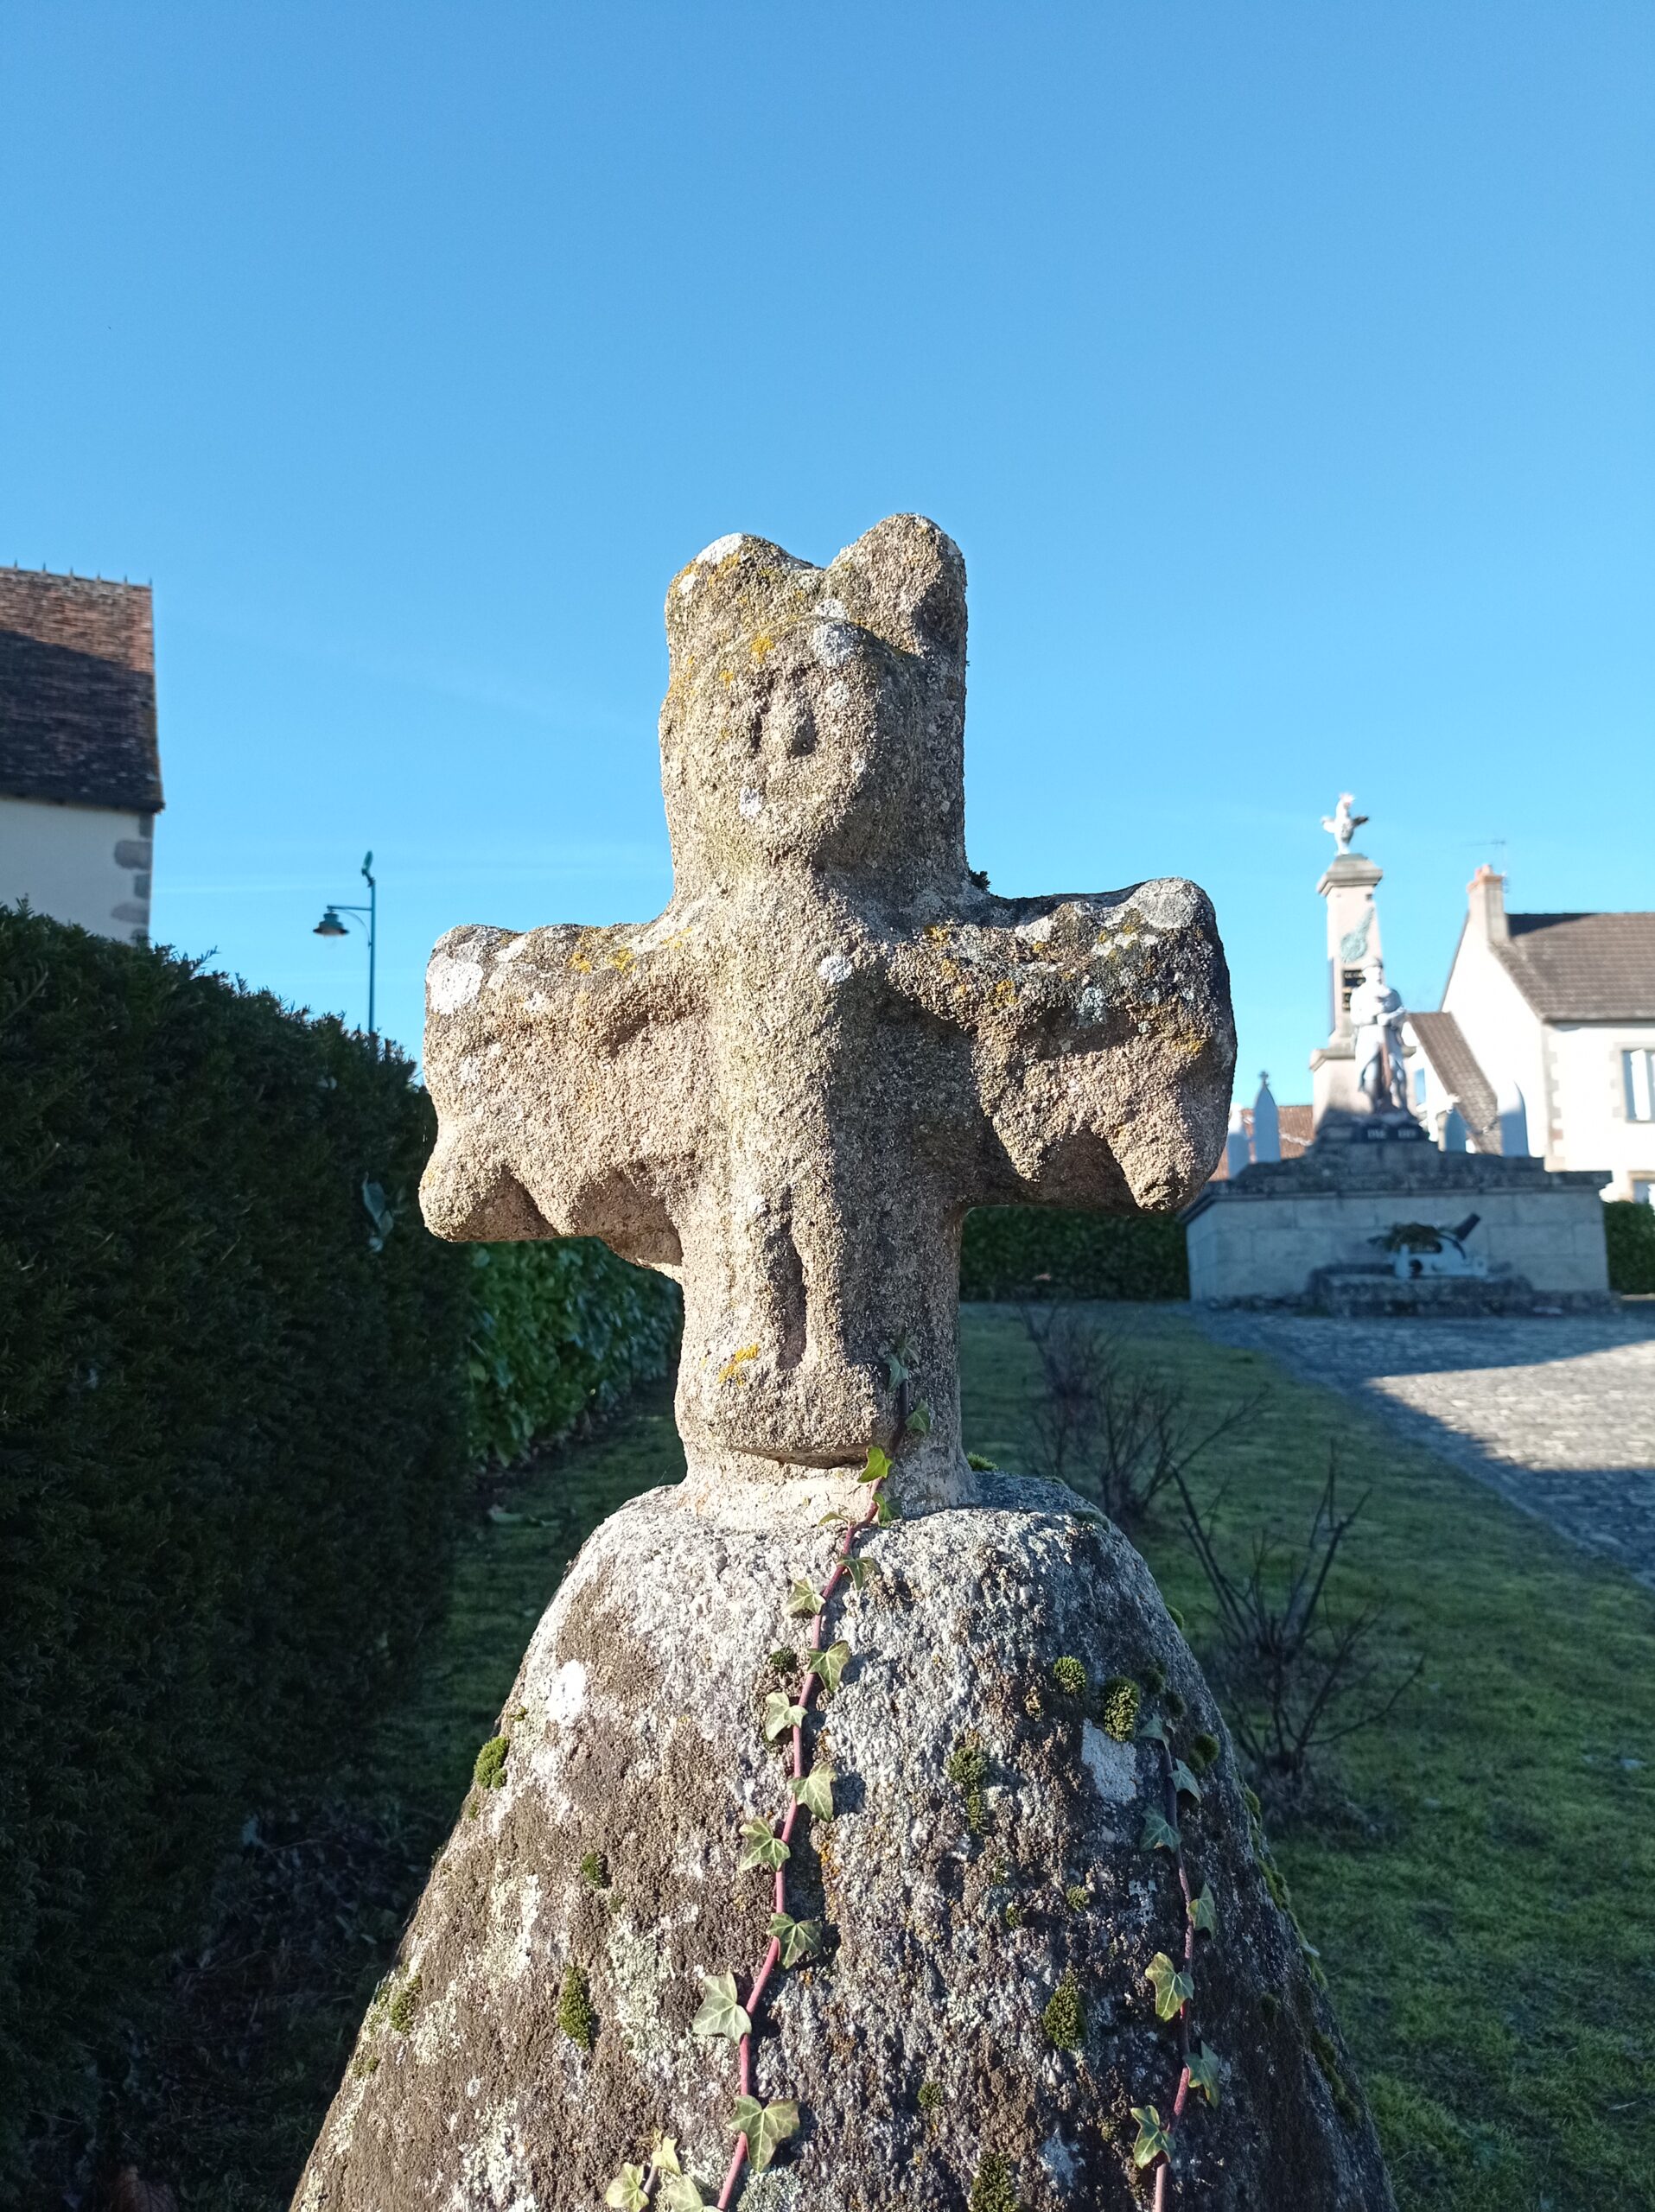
(399, 2013)
(968, 1769)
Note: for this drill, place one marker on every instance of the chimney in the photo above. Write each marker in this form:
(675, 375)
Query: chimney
(1487, 896)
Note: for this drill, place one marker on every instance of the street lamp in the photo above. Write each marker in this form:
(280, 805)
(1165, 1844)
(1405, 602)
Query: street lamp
(330, 925)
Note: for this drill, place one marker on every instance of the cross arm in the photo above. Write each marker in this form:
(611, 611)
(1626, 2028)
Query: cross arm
(1103, 1044)
(561, 1065)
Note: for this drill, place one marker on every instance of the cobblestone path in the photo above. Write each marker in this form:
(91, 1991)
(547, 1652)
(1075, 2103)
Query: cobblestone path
(1558, 1416)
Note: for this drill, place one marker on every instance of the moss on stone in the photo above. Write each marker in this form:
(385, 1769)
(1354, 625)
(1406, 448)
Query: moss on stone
(489, 1772)
(968, 1769)
(1203, 1750)
(1326, 2058)
(994, 2186)
(1065, 2017)
(1070, 1676)
(1076, 1897)
(1118, 1707)
(979, 1465)
(403, 2006)
(929, 2100)
(574, 2014)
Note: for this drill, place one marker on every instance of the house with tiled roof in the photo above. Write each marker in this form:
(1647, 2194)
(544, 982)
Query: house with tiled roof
(1545, 1040)
(79, 765)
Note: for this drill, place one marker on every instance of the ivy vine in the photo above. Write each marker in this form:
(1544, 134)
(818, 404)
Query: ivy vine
(1174, 1980)
(727, 2013)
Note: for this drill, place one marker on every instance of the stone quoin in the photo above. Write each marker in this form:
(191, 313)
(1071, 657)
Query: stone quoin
(787, 1091)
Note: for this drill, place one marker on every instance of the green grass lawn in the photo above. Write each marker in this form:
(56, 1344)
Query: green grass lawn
(1485, 1908)
(1487, 1923)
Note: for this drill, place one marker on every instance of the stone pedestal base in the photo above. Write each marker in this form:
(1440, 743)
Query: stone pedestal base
(1275, 1233)
(988, 1854)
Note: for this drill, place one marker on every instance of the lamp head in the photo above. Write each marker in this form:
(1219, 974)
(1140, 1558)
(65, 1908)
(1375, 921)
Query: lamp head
(330, 925)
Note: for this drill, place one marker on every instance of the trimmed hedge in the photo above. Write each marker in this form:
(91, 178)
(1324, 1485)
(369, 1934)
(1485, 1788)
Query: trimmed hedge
(1629, 1232)
(559, 1334)
(1035, 1252)
(231, 1445)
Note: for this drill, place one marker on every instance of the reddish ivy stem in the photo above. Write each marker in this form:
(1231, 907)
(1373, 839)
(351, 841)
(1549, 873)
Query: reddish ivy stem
(807, 1686)
(1169, 1789)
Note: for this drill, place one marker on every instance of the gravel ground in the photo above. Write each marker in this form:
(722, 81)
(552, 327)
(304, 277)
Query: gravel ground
(1557, 1416)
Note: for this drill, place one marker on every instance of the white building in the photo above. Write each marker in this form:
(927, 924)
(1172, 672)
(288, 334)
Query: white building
(79, 768)
(1545, 1041)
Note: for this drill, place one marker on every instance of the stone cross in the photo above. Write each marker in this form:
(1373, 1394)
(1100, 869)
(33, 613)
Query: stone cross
(788, 1091)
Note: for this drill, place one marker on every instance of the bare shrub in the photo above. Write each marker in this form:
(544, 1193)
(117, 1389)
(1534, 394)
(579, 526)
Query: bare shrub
(1296, 1669)
(1107, 1424)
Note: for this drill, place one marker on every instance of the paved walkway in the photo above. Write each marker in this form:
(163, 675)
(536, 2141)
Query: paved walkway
(1557, 1416)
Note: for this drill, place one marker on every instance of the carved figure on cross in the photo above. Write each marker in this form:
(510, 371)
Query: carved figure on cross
(788, 1089)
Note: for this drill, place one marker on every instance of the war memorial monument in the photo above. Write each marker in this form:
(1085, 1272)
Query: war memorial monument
(1374, 1217)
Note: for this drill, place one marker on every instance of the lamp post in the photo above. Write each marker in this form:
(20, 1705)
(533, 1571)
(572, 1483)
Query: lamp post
(330, 925)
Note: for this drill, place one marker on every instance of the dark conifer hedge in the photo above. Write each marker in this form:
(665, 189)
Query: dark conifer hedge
(1629, 1231)
(1031, 1252)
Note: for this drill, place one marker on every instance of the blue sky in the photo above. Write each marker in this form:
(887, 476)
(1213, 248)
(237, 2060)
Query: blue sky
(1286, 373)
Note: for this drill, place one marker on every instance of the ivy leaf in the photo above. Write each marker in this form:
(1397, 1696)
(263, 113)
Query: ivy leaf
(838, 1518)
(800, 1939)
(1184, 1781)
(1159, 1834)
(857, 1570)
(1150, 1730)
(897, 1360)
(886, 1512)
(1204, 1911)
(804, 1599)
(1152, 2143)
(764, 1847)
(780, 1714)
(664, 2156)
(1204, 2072)
(829, 1665)
(719, 2015)
(919, 1422)
(766, 2127)
(1173, 1990)
(877, 1468)
(814, 1791)
(626, 2191)
(679, 2194)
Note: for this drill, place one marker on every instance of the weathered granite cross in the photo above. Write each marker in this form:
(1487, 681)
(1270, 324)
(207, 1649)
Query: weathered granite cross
(789, 1089)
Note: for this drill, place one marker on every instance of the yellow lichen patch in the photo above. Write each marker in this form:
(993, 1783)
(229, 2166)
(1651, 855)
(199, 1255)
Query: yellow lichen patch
(579, 962)
(763, 645)
(726, 676)
(622, 958)
(733, 1368)
(1005, 991)
(938, 932)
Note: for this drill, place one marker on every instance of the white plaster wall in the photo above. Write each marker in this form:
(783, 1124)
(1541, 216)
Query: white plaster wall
(85, 864)
(1507, 1038)
(1591, 1097)
(1257, 1248)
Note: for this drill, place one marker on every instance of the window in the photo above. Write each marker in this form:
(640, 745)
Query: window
(1642, 1190)
(1639, 1070)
